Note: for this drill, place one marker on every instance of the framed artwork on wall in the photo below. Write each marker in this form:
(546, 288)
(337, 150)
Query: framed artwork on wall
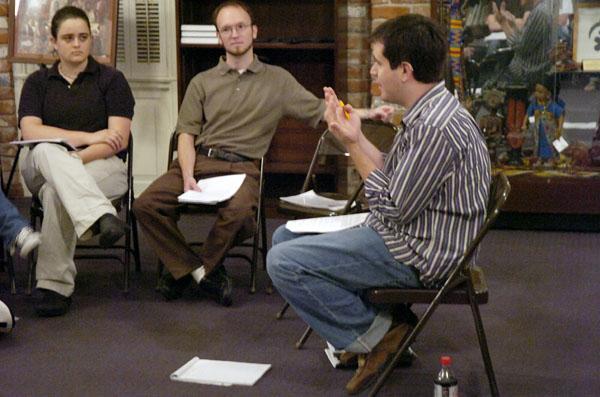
(29, 29)
(586, 32)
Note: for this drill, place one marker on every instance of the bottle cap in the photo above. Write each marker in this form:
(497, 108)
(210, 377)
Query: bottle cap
(446, 360)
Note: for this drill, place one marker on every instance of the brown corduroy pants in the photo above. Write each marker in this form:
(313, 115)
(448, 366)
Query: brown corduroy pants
(157, 211)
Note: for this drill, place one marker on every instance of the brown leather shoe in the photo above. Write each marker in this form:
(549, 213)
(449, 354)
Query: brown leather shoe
(370, 365)
(350, 360)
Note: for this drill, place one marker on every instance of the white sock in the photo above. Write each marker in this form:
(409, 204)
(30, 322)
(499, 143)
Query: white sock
(198, 274)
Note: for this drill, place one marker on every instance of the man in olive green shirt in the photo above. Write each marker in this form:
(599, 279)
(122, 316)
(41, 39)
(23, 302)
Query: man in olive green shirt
(227, 119)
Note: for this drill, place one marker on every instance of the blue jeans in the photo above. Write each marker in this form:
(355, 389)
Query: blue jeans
(324, 276)
(11, 221)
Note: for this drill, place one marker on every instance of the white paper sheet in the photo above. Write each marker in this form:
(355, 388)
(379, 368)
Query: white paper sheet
(326, 224)
(220, 373)
(495, 36)
(333, 355)
(33, 142)
(214, 190)
(313, 200)
(560, 144)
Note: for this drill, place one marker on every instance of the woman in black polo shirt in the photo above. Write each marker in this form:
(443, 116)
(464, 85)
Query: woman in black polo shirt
(90, 106)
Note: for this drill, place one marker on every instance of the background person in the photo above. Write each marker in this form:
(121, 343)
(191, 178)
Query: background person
(532, 43)
(91, 106)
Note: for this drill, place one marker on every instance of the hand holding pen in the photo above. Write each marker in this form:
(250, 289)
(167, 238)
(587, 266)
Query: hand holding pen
(342, 120)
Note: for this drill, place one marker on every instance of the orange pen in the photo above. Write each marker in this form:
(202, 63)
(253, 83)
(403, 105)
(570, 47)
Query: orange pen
(346, 113)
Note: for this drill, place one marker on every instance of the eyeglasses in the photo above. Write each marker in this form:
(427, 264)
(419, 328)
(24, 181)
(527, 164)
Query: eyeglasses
(228, 30)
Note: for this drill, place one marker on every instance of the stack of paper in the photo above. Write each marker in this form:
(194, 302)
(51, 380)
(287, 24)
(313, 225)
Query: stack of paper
(199, 34)
(313, 200)
(213, 190)
(326, 224)
(220, 373)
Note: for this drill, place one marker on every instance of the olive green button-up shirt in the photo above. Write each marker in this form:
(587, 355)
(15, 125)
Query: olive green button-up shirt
(239, 112)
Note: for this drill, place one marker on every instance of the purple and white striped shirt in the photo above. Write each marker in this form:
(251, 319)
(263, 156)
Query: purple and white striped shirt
(429, 200)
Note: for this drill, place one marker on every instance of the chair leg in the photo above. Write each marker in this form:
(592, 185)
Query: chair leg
(265, 248)
(406, 343)
(303, 338)
(253, 266)
(10, 269)
(126, 262)
(282, 311)
(489, 369)
(136, 244)
(30, 273)
(405, 346)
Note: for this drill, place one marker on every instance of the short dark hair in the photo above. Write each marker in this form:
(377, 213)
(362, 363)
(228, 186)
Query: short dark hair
(417, 40)
(232, 3)
(67, 12)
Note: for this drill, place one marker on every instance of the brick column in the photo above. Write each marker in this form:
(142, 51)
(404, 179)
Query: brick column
(356, 19)
(8, 119)
(354, 26)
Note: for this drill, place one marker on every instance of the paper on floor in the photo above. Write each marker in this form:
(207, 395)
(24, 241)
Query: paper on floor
(220, 373)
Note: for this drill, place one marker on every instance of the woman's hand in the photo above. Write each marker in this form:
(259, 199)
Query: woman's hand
(109, 136)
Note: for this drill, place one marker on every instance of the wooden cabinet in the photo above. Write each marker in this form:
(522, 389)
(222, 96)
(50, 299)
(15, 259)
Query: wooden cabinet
(299, 37)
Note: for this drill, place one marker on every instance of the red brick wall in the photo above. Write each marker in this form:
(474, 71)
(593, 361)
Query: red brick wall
(356, 19)
(8, 119)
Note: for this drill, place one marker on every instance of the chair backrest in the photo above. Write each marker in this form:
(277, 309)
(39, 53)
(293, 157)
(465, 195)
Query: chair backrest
(172, 148)
(129, 160)
(499, 190)
(379, 133)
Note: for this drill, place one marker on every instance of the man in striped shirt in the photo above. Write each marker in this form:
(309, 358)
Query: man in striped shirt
(427, 200)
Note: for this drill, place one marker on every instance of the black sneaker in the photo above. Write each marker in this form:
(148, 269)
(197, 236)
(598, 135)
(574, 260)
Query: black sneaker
(48, 303)
(110, 228)
(217, 285)
(173, 289)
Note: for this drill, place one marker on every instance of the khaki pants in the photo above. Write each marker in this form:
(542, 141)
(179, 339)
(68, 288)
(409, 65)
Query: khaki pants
(157, 212)
(73, 196)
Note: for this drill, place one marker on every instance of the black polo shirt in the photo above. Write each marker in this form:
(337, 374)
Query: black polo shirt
(99, 92)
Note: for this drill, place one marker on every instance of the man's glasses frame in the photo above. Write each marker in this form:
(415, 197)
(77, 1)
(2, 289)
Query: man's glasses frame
(240, 28)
